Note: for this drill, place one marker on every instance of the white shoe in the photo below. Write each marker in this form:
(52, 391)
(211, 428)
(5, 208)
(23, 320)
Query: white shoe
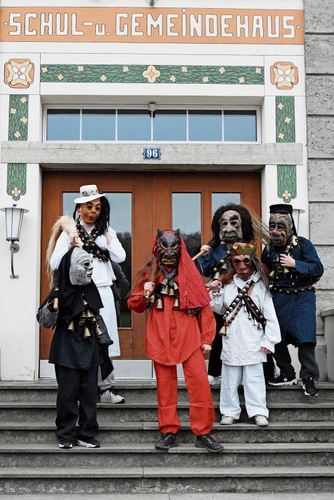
(226, 420)
(109, 397)
(213, 380)
(261, 420)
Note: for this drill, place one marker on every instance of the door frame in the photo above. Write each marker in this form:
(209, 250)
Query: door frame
(151, 209)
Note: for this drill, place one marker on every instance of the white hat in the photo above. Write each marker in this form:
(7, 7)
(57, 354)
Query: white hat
(88, 193)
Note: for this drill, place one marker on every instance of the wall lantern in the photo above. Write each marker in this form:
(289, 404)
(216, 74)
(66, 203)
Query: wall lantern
(13, 220)
(296, 212)
(151, 2)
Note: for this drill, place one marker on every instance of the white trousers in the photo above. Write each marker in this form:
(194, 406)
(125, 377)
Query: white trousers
(108, 313)
(252, 379)
(107, 383)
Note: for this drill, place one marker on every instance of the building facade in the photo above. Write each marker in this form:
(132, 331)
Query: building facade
(172, 111)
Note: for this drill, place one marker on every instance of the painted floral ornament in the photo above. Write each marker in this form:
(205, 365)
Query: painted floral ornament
(19, 73)
(284, 75)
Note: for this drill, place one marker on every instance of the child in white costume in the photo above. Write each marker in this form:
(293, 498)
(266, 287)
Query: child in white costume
(250, 332)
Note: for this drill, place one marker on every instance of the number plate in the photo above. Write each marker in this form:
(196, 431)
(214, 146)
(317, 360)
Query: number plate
(152, 153)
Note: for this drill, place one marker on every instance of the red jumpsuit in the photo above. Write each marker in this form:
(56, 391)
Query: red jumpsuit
(173, 337)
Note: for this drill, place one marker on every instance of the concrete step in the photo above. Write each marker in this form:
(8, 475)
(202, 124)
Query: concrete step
(41, 457)
(177, 496)
(107, 480)
(311, 409)
(135, 391)
(295, 453)
(144, 432)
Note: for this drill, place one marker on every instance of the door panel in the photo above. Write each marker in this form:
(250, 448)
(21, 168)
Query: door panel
(152, 208)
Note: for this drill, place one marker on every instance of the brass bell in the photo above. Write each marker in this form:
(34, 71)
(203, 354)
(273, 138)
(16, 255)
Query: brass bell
(223, 331)
(176, 304)
(70, 326)
(159, 304)
(86, 333)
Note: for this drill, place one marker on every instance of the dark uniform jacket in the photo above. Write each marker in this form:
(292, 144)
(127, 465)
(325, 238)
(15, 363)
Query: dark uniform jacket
(293, 292)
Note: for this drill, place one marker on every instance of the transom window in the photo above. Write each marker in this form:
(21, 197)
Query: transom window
(228, 125)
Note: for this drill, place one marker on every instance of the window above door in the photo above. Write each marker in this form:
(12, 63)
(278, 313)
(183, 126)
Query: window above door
(161, 125)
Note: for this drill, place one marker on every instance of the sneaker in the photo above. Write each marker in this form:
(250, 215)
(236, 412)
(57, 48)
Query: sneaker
(65, 446)
(209, 443)
(309, 387)
(281, 380)
(226, 420)
(167, 441)
(109, 397)
(88, 442)
(213, 380)
(261, 420)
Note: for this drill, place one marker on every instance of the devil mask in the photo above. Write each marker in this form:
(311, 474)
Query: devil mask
(174, 260)
(168, 248)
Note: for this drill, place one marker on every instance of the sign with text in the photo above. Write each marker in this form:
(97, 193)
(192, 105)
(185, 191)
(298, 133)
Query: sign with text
(158, 25)
(151, 153)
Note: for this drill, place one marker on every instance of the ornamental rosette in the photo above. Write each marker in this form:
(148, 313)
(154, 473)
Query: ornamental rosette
(151, 73)
(19, 73)
(284, 75)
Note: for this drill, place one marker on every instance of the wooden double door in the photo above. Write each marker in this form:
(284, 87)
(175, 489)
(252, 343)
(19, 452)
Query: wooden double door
(140, 204)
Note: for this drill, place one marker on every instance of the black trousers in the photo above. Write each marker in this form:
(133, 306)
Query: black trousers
(76, 403)
(215, 363)
(306, 356)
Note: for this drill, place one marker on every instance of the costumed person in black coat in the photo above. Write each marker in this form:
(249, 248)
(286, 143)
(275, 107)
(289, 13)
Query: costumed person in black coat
(231, 223)
(75, 303)
(294, 268)
(92, 214)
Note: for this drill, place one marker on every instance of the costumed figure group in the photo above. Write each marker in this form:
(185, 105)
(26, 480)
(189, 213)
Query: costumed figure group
(291, 267)
(248, 310)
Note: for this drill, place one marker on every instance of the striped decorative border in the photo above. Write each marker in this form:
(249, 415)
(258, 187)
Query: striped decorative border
(286, 132)
(17, 131)
(103, 73)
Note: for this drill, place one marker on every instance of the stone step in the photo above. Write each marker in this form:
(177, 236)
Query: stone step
(17, 433)
(295, 453)
(145, 391)
(310, 410)
(133, 455)
(70, 480)
(177, 496)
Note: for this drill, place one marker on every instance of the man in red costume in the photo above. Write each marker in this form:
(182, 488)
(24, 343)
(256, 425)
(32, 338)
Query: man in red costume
(180, 329)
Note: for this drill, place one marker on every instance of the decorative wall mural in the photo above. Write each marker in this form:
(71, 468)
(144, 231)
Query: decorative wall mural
(18, 117)
(284, 75)
(19, 73)
(17, 131)
(135, 73)
(16, 180)
(285, 132)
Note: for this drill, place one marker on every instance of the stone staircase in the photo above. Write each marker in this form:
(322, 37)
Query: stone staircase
(294, 454)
